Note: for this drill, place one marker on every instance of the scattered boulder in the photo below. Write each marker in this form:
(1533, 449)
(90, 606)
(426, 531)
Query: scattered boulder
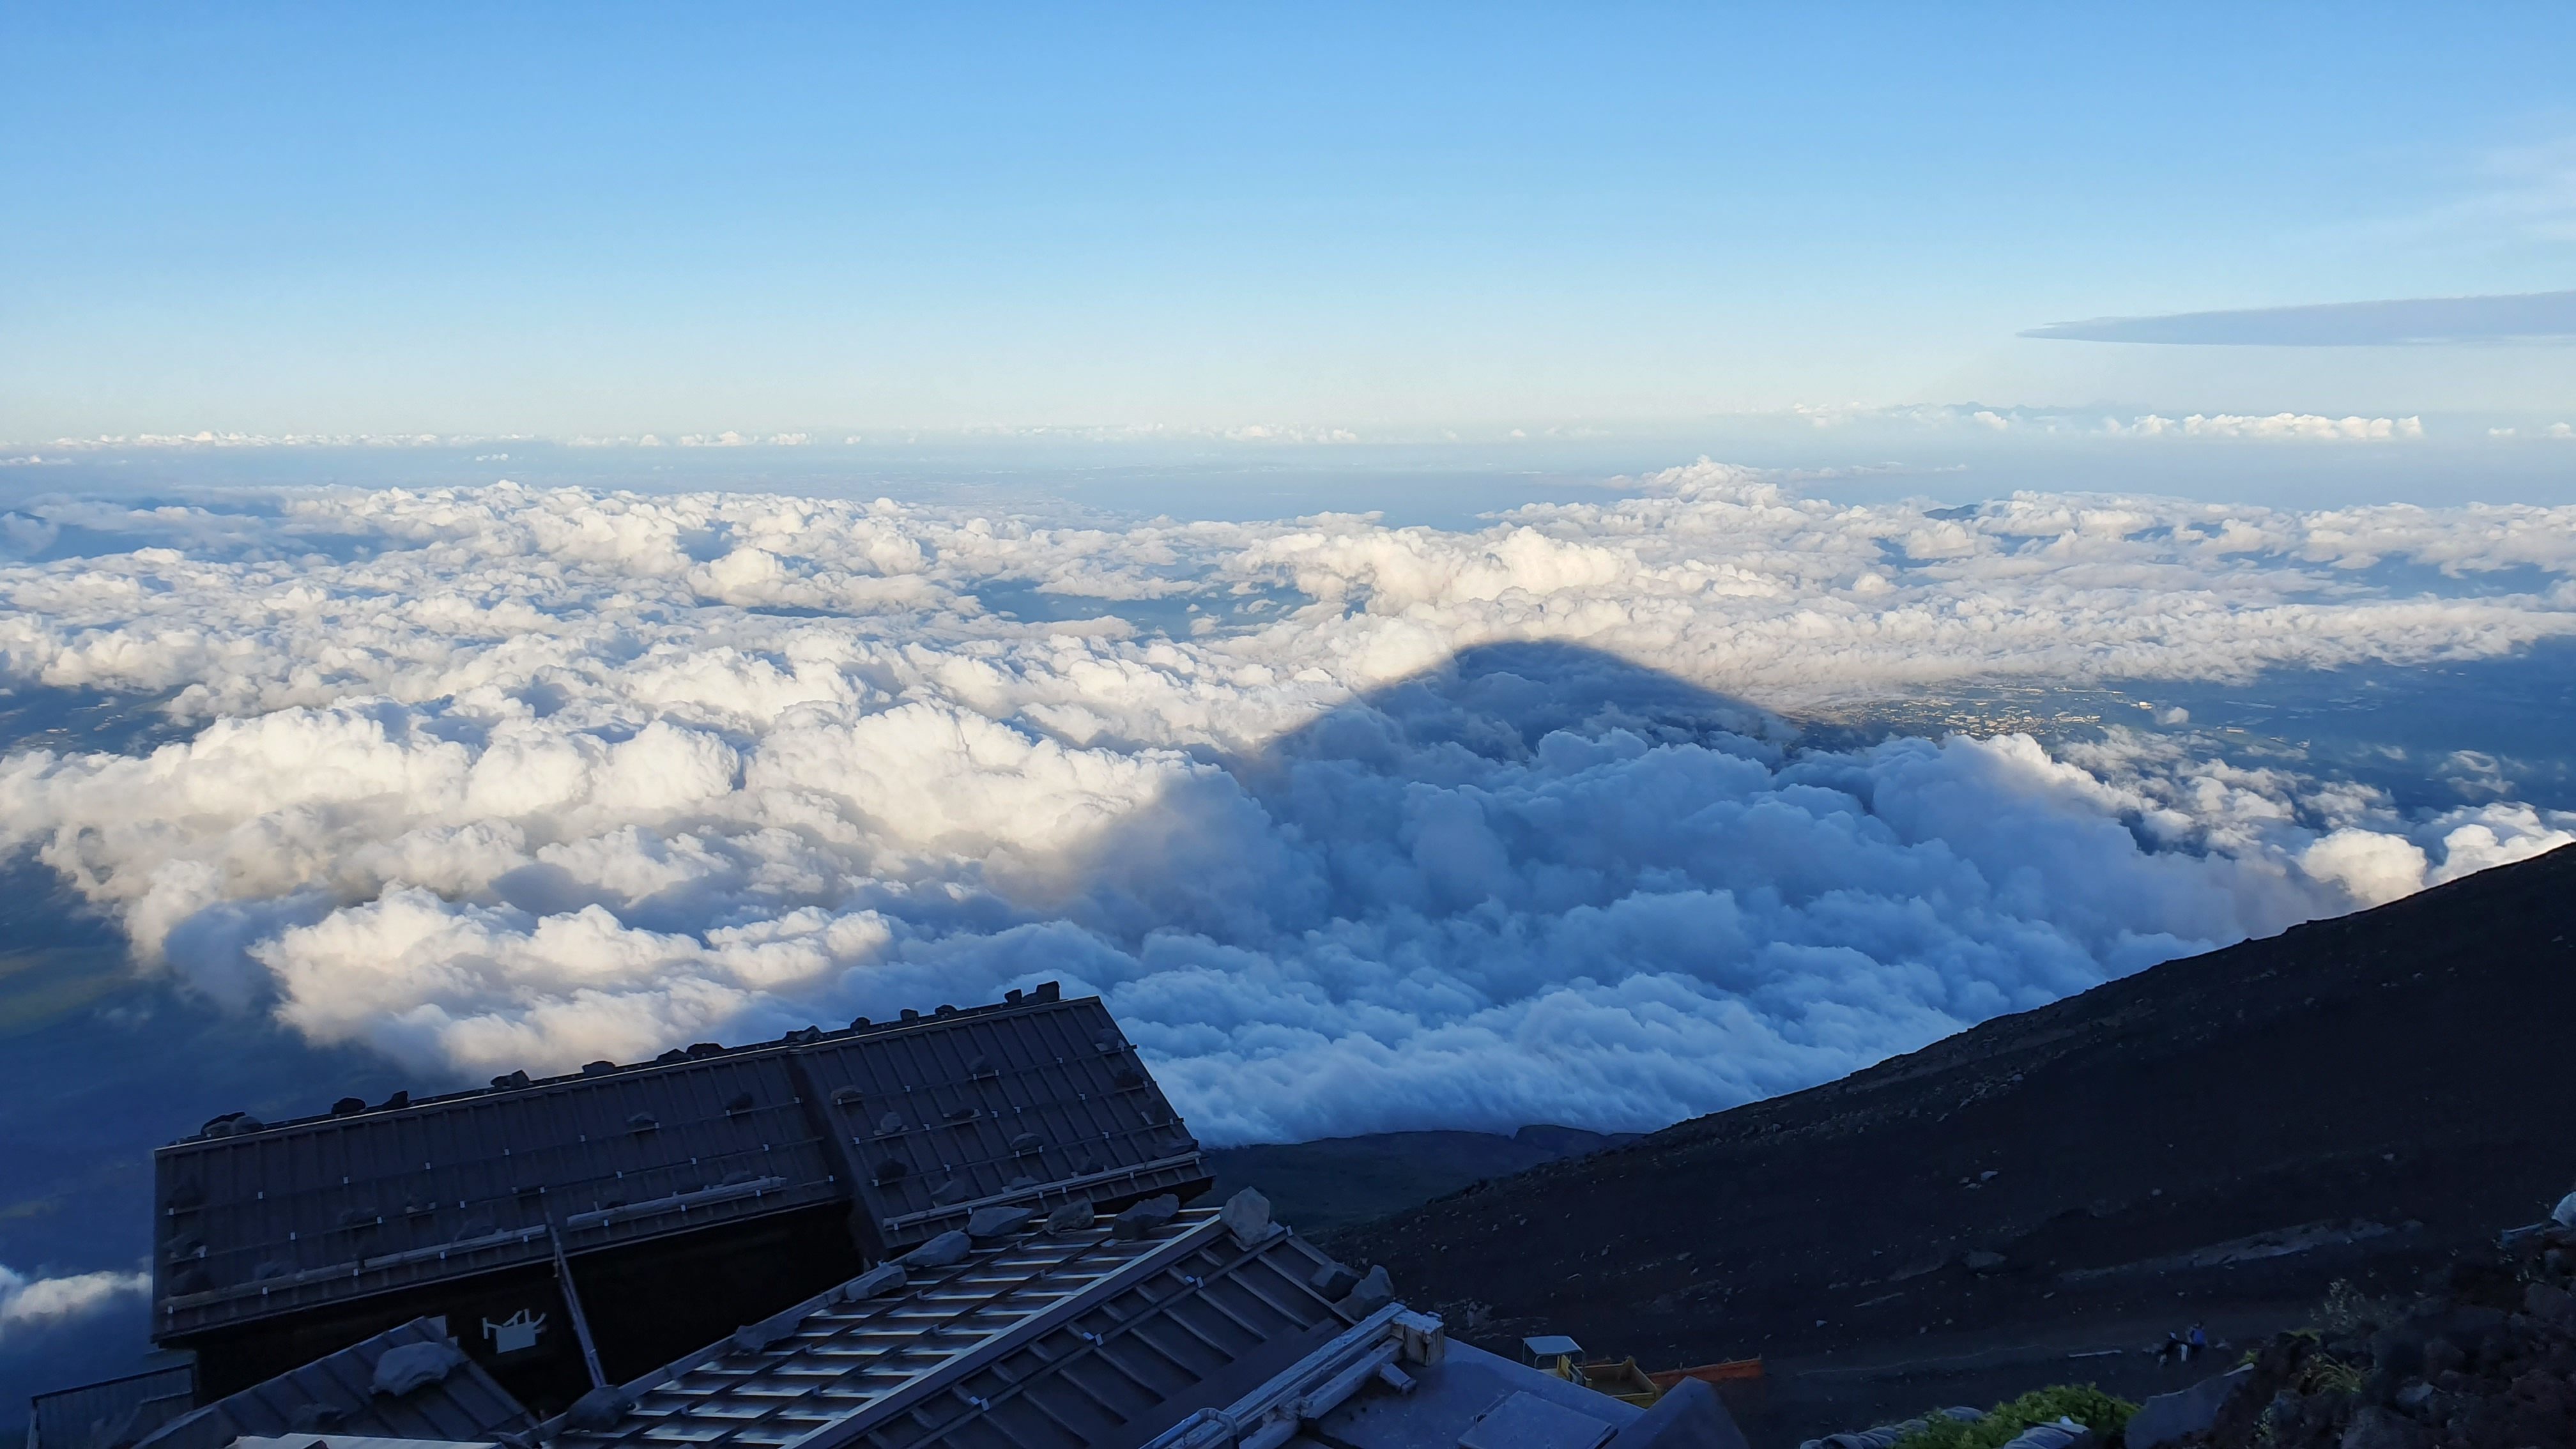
(1071, 1217)
(877, 1282)
(1368, 1295)
(1333, 1281)
(1143, 1218)
(2485, 1354)
(989, 1223)
(948, 1248)
(768, 1333)
(414, 1365)
(2547, 1302)
(2373, 1427)
(1247, 1216)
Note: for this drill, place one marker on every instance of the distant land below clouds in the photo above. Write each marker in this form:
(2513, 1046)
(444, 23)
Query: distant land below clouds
(2407, 322)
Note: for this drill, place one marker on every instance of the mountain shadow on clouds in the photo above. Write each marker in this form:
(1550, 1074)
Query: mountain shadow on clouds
(1542, 883)
(1363, 807)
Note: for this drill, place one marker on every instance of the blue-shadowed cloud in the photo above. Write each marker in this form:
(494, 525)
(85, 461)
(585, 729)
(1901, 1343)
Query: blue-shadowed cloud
(2405, 322)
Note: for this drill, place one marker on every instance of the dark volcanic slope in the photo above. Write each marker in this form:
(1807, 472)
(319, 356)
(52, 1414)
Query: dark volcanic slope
(1337, 1181)
(2074, 1175)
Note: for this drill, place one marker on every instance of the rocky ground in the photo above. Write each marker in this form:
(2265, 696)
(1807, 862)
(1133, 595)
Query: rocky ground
(2484, 1354)
(2040, 1199)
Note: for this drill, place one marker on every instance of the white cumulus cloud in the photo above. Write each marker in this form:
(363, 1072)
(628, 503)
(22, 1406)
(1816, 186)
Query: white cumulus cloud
(1356, 827)
(31, 1304)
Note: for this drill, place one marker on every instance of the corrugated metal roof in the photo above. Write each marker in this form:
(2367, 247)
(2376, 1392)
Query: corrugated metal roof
(1032, 1099)
(115, 1411)
(332, 1209)
(337, 1393)
(1061, 1340)
(1033, 1106)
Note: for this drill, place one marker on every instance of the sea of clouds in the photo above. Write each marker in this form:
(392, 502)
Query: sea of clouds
(1355, 827)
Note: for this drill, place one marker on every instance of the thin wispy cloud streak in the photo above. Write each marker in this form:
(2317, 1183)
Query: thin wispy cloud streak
(2419, 321)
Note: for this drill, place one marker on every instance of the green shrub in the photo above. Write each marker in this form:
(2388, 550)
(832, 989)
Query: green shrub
(2083, 1403)
(2347, 1310)
(2323, 1375)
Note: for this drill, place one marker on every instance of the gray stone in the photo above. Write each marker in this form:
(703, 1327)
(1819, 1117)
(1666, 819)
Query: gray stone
(2373, 1427)
(2167, 1417)
(949, 1247)
(877, 1282)
(998, 1222)
(2547, 1302)
(762, 1336)
(599, 1410)
(1247, 1216)
(1332, 1281)
(2397, 1351)
(1071, 1217)
(413, 1365)
(1144, 1217)
(1369, 1295)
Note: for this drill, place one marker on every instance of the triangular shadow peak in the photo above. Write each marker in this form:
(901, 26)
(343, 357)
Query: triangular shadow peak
(1498, 701)
(1367, 807)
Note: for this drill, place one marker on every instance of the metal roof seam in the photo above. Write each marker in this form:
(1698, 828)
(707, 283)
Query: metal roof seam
(1031, 1005)
(1100, 1346)
(823, 1304)
(1320, 1366)
(1063, 1185)
(841, 1431)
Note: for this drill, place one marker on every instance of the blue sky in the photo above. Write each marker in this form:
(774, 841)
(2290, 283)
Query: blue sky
(1396, 220)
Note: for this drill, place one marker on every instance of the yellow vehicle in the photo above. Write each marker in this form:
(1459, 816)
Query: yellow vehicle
(1554, 1353)
(1624, 1381)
